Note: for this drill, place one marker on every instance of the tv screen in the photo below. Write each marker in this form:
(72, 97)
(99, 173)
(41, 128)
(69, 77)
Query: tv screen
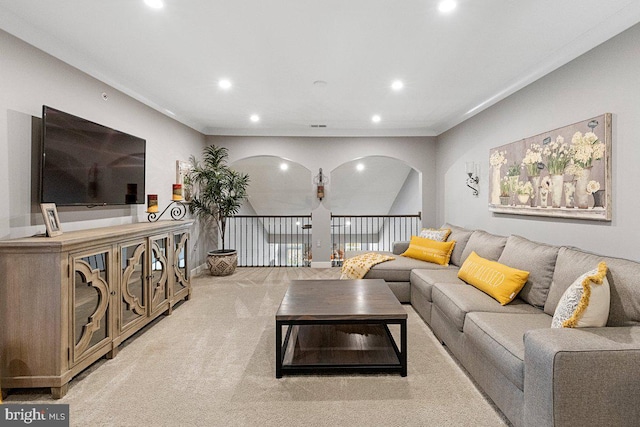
(84, 163)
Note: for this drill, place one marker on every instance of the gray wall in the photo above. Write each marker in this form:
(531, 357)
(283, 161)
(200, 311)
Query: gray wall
(605, 79)
(406, 201)
(30, 78)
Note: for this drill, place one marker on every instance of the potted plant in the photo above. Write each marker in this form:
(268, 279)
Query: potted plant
(524, 191)
(218, 193)
(504, 191)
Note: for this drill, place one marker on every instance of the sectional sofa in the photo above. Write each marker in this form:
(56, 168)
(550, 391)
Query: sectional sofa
(536, 375)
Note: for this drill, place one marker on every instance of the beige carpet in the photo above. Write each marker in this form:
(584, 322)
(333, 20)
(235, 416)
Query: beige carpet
(211, 363)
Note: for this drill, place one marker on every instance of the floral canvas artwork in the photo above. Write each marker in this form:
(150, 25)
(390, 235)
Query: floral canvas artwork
(564, 173)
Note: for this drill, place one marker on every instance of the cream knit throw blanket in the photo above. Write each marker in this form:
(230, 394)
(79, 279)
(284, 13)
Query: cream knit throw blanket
(358, 266)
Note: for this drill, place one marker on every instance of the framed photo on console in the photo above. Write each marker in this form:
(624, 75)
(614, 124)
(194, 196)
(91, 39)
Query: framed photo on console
(51, 219)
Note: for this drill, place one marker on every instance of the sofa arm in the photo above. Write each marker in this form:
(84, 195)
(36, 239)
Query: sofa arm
(400, 247)
(587, 376)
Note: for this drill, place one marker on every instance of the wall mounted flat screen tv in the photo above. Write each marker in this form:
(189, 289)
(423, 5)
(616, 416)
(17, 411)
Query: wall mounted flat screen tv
(84, 163)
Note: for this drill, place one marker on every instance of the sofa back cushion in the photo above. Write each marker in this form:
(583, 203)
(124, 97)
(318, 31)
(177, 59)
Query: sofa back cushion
(536, 258)
(484, 244)
(623, 277)
(461, 236)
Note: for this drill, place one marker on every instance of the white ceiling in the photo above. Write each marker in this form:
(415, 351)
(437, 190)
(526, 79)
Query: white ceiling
(453, 65)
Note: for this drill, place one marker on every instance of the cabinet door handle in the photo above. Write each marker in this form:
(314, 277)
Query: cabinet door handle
(113, 292)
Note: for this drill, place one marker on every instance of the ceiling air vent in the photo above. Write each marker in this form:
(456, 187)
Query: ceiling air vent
(318, 126)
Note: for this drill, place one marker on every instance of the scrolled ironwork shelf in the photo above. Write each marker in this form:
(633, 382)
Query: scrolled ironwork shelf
(178, 211)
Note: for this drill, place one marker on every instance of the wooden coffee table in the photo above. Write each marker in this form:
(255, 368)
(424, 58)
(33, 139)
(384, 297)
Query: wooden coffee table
(336, 326)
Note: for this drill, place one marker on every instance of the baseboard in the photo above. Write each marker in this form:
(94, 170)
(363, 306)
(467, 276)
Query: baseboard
(199, 270)
(319, 264)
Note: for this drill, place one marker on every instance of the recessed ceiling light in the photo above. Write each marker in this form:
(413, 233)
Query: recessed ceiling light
(255, 118)
(376, 118)
(360, 167)
(155, 4)
(224, 84)
(447, 6)
(397, 85)
(284, 166)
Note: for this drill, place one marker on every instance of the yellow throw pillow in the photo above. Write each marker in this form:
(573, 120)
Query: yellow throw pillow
(430, 250)
(497, 280)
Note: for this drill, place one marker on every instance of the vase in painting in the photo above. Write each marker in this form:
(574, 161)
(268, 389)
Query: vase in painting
(535, 183)
(557, 183)
(598, 199)
(582, 195)
(513, 184)
(523, 199)
(569, 189)
(495, 185)
(544, 193)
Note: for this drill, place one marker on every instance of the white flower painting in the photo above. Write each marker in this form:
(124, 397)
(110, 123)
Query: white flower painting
(560, 170)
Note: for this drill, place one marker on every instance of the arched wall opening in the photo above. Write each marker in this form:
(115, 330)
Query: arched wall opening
(375, 185)
(273, 227)
(278, 186)
(375, 201)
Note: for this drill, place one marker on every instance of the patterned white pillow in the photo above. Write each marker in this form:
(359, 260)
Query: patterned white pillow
(435, 234)
(586, 302)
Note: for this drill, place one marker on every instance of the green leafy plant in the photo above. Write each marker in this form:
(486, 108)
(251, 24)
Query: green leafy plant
(514, 170)
(218, 190)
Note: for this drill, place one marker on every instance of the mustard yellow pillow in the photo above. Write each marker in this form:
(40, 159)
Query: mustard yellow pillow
(430, 250)
(497, 280)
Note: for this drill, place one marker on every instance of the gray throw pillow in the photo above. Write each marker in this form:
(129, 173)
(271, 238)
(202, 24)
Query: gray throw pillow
(461, 236)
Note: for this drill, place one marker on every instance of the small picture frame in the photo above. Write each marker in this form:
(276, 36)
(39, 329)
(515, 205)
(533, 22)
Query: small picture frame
(51, 219)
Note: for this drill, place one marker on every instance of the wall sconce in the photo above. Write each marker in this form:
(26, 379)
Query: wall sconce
(320, 180)
(473, 171)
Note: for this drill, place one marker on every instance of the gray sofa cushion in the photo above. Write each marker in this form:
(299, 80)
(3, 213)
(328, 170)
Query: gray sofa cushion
(486, 245)
(399, 269)
(536, 258)
(400, 247)
(423, 280)
(499, 336)
(461, 236)
(623, 277)
(456, 301)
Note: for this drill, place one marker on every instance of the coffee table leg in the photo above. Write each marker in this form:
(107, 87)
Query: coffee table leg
(278, 349)
(403, 354)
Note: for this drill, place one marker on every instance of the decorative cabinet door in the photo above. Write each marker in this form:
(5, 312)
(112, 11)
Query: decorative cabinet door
(133, 293)
(180, 265)
(159, 276)
(90, 302)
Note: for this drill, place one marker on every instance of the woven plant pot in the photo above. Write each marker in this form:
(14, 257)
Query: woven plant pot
(222, 263)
